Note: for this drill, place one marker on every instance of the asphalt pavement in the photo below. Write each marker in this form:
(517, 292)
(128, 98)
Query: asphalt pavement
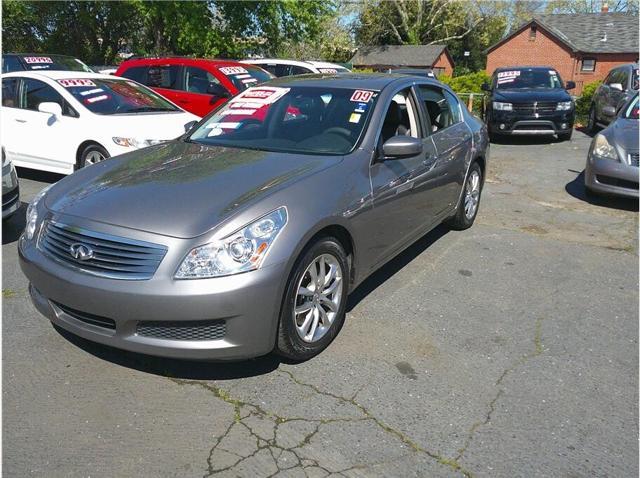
(510, 349)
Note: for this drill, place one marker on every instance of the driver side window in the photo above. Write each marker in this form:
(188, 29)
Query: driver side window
(401, 117)
(437, 108)
(198, 80)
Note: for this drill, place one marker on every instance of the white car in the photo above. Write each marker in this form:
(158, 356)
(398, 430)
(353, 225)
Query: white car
(280, 68)
(60, 121)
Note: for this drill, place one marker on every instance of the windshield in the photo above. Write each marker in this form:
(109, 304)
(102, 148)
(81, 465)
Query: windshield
(55, 62)
(300, 119)
(632, 109)
(113, 96)
(528, 78)
(245, 76)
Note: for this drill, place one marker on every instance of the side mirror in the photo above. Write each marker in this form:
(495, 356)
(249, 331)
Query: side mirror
(50, 107)
(189, 126)
(218, 90)
(398, 147)
(485, 86)
(609, 111)
(570, 85)
(616, 86)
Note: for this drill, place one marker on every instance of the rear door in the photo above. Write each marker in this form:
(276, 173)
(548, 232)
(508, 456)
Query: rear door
(452, 141)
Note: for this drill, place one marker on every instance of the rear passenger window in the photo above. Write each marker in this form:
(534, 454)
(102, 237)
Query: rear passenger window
(9, 87)
(437, 108)
(163, 77)
(136, 73)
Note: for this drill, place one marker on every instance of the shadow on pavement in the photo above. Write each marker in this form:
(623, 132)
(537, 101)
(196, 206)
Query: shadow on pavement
(394, 265)
(174, 368)
(576, 189)
(13, 227)
(524, 140)
(40, 176)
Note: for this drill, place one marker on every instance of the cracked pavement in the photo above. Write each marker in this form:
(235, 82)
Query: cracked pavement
(510, 349)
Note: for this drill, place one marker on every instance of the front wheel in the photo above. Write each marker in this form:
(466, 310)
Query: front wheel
(91, 154)
(467, 209)
(315, 301)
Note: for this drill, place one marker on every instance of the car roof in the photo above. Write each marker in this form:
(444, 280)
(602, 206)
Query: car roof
(525, 67)
(324, 64)
(354, 81)
(37, 54)
(178, 60)
(58, 74)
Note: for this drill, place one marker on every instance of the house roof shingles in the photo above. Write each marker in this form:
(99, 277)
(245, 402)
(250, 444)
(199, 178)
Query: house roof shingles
(398, 55)
(584, 32)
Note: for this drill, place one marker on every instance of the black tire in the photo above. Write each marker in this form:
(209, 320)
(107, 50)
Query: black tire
(592, 125)
(459, 221)
(565, 136)
(289, 343)
(89, 151)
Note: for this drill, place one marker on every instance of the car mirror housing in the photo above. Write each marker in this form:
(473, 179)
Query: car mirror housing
(398, 147)
(189, 126)
(609, 110)
(485, 86)
(218, 90)
(616, 86)
(570, 85)
(50, 107)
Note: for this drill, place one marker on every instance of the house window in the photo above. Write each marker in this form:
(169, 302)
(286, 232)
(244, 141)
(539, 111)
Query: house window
(532, 32)
(588, 64)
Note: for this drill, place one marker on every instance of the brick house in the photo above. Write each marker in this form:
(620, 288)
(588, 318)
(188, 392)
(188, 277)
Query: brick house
(581, 47)
(391, 57)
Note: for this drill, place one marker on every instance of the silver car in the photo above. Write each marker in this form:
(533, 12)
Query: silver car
(10, 188)
(247, 234)
(612, 163)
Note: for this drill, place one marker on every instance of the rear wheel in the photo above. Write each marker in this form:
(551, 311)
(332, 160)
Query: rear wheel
(91, 154)
(315, 301)
(467, 209)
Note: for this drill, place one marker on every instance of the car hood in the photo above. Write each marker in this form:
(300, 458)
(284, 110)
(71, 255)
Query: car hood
(623, 134)
(177, 188)
(158, 126)
(526, 95)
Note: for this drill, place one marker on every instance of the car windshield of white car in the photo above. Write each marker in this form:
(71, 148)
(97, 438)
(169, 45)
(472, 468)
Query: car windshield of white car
(54, 62)
(245, 76)
(299, 119)
(113, 96)
(528, 78)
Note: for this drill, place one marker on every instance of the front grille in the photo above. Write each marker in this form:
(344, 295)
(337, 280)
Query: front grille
(87, 318)
(187, 330)
(541, 107)
(633, 159)
(111, 256)
(621, 183)
(534, 127)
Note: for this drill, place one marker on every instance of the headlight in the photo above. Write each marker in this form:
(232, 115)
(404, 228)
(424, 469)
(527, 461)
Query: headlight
(564, 106)
(502, 106)
(32, 213)
(603, 149)
(242, 251)
(135, 142)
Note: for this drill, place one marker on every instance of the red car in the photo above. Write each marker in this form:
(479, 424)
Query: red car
(196, 85)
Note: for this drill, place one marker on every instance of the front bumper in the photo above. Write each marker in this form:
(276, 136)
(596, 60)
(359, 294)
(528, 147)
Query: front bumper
(232, 317)
(10, 202)
(517, 123)
(606, 176)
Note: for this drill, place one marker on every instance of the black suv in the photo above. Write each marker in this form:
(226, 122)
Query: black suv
(529, 100)
(41, 61)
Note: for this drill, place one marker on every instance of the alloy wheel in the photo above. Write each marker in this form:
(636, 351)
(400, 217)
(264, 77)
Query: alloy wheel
(472, 194)
(318, 298)
(93, 157)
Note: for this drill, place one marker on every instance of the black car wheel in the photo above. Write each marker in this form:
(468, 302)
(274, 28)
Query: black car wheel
(315, 301)
(467, 209)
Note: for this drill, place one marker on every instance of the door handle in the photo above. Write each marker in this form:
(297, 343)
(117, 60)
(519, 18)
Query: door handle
(21, 120)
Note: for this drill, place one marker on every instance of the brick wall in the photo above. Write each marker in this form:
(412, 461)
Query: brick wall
(444, 62)
(544, 50)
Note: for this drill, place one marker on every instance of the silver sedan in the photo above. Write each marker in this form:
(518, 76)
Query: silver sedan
(248, 233)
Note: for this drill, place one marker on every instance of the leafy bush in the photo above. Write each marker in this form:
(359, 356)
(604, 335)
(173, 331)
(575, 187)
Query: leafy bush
(471, 83)
(584, 102)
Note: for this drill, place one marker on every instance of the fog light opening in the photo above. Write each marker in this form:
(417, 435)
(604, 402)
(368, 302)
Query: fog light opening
(502, 126)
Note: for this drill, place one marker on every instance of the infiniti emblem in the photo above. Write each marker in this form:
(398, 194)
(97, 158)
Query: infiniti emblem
(81, 252)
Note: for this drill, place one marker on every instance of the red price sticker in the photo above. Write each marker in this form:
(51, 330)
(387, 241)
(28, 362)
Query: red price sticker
(68, 83)
(233, 70)
(361, 96)
(37, 59)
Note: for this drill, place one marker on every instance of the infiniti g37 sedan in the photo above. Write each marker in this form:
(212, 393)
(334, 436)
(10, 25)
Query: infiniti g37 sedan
(247, 233)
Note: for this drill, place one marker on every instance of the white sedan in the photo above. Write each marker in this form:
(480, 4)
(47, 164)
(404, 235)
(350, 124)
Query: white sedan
(60, 121)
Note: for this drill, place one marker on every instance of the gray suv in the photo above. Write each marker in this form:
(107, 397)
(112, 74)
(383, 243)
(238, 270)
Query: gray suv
(617, 88)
